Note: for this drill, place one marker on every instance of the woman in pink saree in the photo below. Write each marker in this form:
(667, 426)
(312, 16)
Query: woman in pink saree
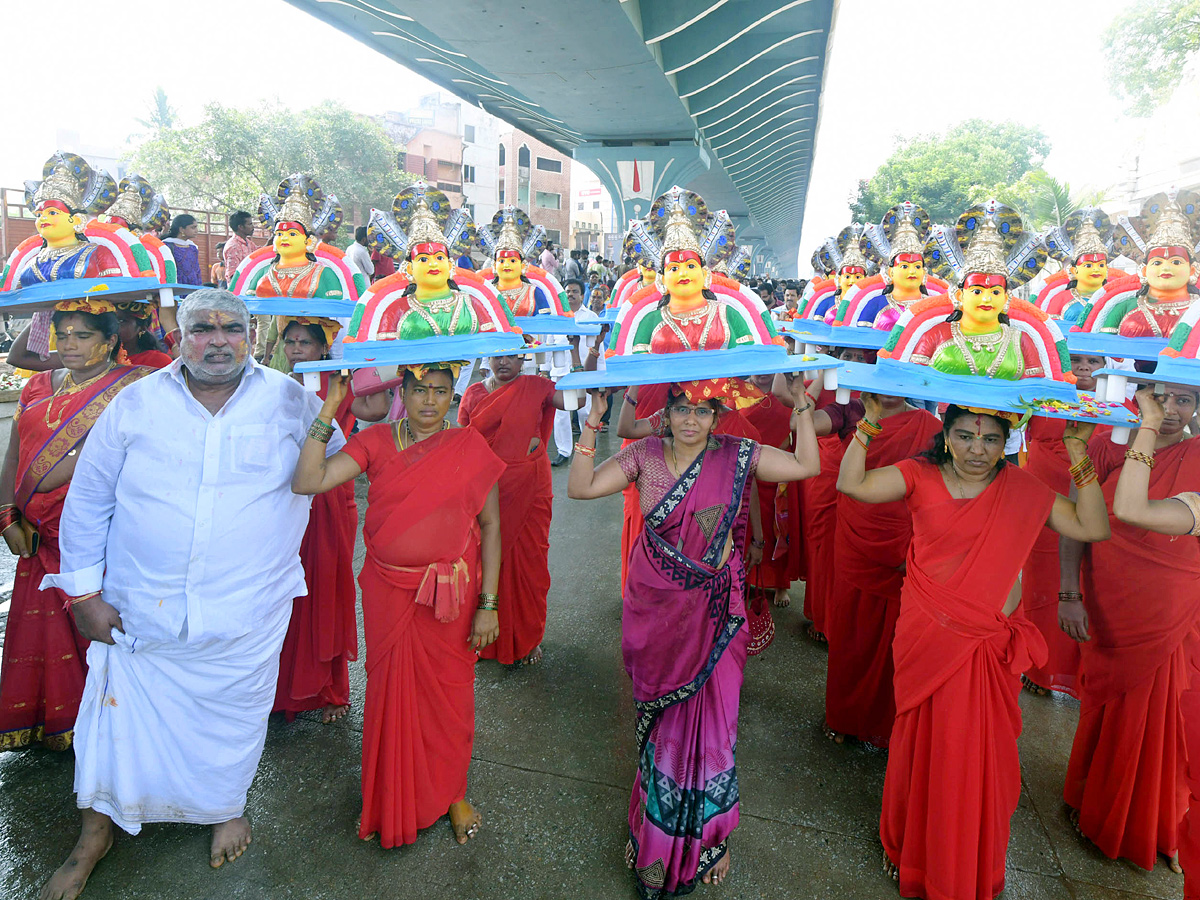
(683, 635)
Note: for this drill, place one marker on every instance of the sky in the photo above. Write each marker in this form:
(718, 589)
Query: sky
(898, 67)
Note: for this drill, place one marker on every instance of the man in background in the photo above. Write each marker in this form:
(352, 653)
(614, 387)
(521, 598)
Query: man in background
(358, 257)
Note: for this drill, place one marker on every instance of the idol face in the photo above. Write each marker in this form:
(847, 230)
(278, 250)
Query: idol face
(982, 306)
(431, 271)
(684, 280)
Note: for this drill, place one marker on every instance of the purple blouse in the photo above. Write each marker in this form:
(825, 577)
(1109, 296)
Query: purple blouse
(645, 465)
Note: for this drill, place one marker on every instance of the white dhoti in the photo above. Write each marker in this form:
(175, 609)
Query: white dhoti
(173, 731)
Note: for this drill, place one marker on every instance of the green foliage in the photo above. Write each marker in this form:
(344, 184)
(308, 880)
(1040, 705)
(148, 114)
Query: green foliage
(1043, 200)
(227, 160)
(160, 115)
(1147, 47)
(973, 161)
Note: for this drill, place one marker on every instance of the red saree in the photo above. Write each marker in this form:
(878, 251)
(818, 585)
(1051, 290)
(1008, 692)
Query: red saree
(45, 665)
(783, 555)
(420, 583)
(322, 636)
(869, 548)
(1189, 837)
(1126, 773)
(510, 418)
(953, 775)
(818, 516)
(1047, 461)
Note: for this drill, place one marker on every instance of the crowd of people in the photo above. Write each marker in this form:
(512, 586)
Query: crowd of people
(154, 631)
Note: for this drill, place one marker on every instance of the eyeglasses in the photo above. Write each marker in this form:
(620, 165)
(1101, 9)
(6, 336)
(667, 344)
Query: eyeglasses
(702, 413)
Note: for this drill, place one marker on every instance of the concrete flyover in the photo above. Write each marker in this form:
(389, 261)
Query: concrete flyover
(722, 96)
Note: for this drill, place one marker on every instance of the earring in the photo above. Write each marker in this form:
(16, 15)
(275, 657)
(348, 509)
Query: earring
(707, 279)
(956, 300)
(658, 284)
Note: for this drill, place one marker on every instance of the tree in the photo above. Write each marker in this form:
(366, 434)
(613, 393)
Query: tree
(1043, 200)
(1147, 48)
(233, 155)
(161, 115)
(973, 161)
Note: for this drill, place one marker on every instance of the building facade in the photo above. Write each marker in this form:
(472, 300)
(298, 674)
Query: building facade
(536, 178)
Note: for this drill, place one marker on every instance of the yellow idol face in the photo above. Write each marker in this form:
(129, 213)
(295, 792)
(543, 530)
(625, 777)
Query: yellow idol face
(1090, 277)
(431, 271)
(290, 243)
(509, 270)
(56, 227)
(684, 280)
(981, 306)
(847, 278)
(908, 277)
(646, 274)
(1165, 275)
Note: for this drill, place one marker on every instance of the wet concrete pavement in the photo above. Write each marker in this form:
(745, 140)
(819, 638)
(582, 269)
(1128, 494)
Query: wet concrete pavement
(552, 767)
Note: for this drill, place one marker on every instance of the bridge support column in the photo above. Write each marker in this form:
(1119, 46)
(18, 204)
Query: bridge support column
(637, 173)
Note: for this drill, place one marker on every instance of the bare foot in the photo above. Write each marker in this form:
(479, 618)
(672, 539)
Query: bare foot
(835, 736)
(95, 839)
(229, 841)
(333, 712)
(465, 820)
(719, 871)
(1033, 687)
(892, 870)
(1073, 817)
(782, 598)
(811, 630)
(1173, 862)
(534, 657)
(630, 855)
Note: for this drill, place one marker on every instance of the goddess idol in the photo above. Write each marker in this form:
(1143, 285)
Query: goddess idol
(510, 239)
(1081, 244)
(687, 313)
(70, 190)
(897, 246)
(297, 264)
(428, 296)
(1163, 240)
(988, 254)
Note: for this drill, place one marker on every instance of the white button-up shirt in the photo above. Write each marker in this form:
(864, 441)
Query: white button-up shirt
(186, 519)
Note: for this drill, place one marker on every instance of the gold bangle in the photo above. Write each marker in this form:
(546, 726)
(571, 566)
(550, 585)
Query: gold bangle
(589, 452)
(1138, 456)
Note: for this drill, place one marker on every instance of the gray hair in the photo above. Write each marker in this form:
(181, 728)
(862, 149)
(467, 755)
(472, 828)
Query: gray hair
(211, 300)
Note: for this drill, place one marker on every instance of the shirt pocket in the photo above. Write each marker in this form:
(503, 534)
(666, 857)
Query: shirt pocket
(255, 449)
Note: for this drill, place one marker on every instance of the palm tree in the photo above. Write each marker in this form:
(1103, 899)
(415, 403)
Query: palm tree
(1043, 200)
(161, 114)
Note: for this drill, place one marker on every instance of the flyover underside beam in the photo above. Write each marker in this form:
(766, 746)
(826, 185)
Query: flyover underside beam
(635, 175)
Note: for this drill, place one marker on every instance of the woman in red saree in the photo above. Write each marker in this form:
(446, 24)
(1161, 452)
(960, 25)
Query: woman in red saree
(1047, 461)
(44, 656)
(953, 776)
(1140, 649)
(1175, 516)
(682, 634)
(869, 549)
(515, 415)
(432, 533)
(819, 497)
(322, 636)
(783, 549)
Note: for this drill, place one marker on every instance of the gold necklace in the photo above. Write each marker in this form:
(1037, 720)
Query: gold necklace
(412, 438)
(68, 387)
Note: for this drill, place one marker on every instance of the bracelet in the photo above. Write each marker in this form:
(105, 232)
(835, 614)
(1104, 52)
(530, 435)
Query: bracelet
(1083, 472)
(1071, 437)
(592, 351)
(71, 601)
(489, 602)
(9, 517)
(595, 428)
(866, 445)
(1070, 597)
(1138, 456)
(320, 431)
(589, 452)
(802, 409)
(576, 368)
(757, 544)
(872, 429)
(632, 401)
(1147, 428)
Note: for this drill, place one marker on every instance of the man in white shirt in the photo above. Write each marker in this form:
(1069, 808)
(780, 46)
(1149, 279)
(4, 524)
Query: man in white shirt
(186, 604)
(358, 257)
